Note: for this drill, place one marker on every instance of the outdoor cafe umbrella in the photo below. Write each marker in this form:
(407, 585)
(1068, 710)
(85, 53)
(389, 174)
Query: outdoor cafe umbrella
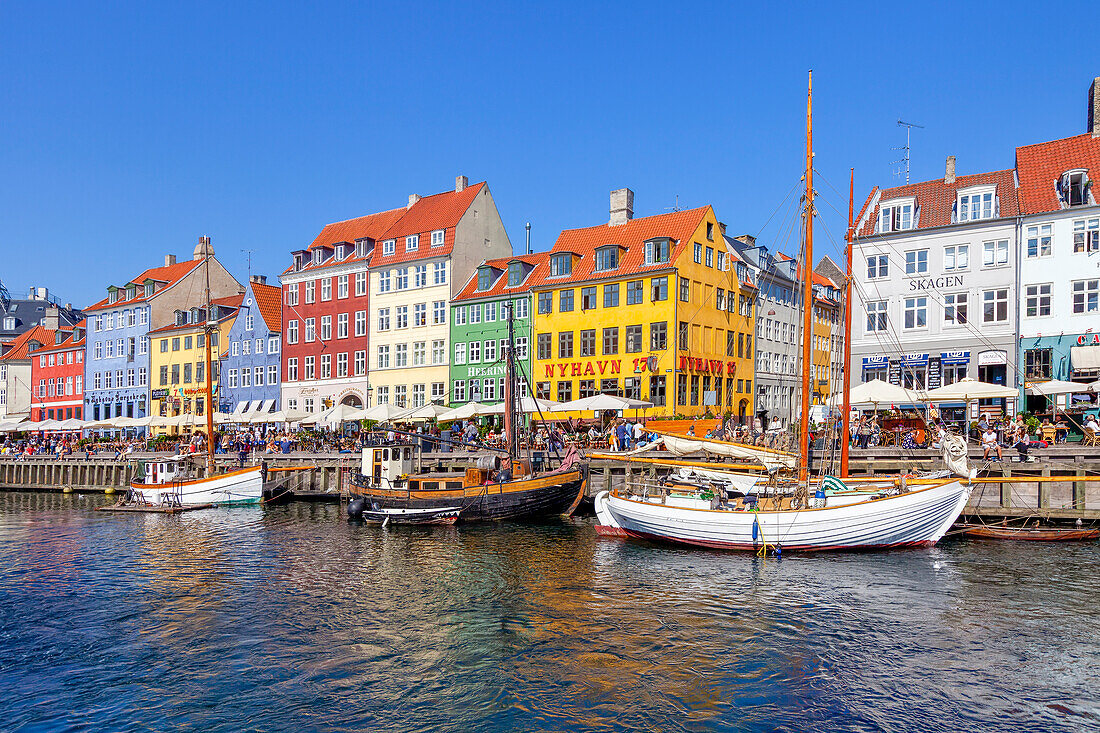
(602, 402)
(1055, 387)
(463, 412)
(877, 392)
(424, 412)
(966, 390)
(44, 425)
(12, 426)
(532, 405)
(72, 424)
(284, 416)
(382, 412)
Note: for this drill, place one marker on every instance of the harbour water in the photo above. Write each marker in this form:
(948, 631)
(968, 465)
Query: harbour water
(290, 618)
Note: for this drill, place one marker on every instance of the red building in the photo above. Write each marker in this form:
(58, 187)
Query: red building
(57, 376)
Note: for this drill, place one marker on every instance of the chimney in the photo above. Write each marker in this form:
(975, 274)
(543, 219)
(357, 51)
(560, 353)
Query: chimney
(261, 279)
(461, 182)
(169, 260)
(1094, 108)
(949, 174)
(52, 318)
(622, 206)
(413, 198)
(746, 239)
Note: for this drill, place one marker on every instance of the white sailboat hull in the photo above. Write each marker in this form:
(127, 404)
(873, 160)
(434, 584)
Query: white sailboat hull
(236, 487)
(913, 519)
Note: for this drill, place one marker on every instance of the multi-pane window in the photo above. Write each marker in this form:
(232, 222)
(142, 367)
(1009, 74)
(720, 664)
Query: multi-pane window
(491, 312)
(658, 288)
(383, 319)
(400, 355)
(420, 353)
(954, 308)
(439, 273)
(611, 340)
(1086, 235)
(1039, 240)
(995, 253)
(876, 315)
(309, 368)
(521, 347)
(916, 261)
(421, 277)
(360, 283)
(311, 330)
(360, 323)
(657, 391)
(588, 298)
(658, 336)
(420, 314)
(974, 206)
(412, 242)
(292, 369)
(685, 290)
(710, 257)
(565, 345)
(383, 356)
(291, 332)
(565, 391)
(543, 345)
(326, 366)
(565, 301)
(916, 312)
(607, 258)
(401, 316)
(657, 251)
(1037, 299)
(1037, 364)
(634, 292)
(401, 279)
(633, 339)
(475, 313)
(720, 299)
(460, 353)
(439, 312)
(458, 390)
(588, 342)
(389, 246)
(1086, 296)
(439, 352)
(490, 350)
(546, 303)
(956, 257)
(474, 352)
(896, 217)
(995, 305)
(697, 253)
(342, 325)
(326, 328)
(437, 237)
(385, 281)
(522, 308)
(485, 278)
(561, 265)
(326, 288)
(610, 295)
(460, 315)
(342, 286)
(292, 294)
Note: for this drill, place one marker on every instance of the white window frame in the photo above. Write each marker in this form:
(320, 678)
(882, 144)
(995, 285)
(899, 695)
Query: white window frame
(956, 257)
(1039, 237)
(994, 254)
(1038, 297)
(917, 264)
(915, 308)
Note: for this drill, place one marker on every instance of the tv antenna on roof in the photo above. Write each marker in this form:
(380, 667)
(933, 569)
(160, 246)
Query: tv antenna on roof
(248, 253)
(676, 207)
(905, 158)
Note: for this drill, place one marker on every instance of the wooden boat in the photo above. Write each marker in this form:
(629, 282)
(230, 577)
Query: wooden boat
(501, 486)
(760, 515)
(1032, 534)
(448, 515)
(171, 482)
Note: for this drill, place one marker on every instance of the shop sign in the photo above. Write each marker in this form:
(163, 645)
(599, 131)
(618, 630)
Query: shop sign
(936, 283)
(159, 394)
(914, 359)
(870, 360)
(707, 366)
(1088, 339)
(582, 369)
(494, 370)
(992, 358)
(955, 357)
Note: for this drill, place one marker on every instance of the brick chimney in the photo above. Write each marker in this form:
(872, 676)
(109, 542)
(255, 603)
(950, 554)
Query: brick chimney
(949, 173)
(1094, 108)
(169, 260)
(622, 206)
(52, 319)
(261, 279)
(413, 198)
(461, 182)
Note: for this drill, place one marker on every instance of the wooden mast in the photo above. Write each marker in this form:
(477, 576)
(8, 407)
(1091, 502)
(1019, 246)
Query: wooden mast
(807, 291)
(846, 407)
(208, 329)
(510, 417)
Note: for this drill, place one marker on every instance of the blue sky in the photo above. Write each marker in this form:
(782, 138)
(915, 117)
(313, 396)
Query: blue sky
(129, 130)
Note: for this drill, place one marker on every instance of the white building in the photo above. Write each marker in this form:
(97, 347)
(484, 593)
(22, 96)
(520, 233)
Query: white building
(934, 280)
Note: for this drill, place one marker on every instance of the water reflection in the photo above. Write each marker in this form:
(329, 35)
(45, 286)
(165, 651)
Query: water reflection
(290, 618)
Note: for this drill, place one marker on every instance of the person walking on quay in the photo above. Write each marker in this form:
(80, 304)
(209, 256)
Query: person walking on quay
(242, 450)
(990, 443)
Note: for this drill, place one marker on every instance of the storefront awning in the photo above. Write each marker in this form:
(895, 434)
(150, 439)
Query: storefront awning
(954, 357)
(1085, 358)
(914, 359)
(873, 360)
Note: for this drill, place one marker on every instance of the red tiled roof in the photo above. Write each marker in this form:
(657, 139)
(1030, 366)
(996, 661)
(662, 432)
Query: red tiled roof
(68, 343)
(371, 225)
(678, 225)
(936, 199)
(19, 347)
(269, 301)
(540, 260)
(439, 211)
(166, 274)
(229, 301)
(1040, 166)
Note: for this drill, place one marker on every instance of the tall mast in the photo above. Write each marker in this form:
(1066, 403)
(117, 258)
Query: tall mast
(510, 437)
(807, 290)
(208, 329)
(846, 406)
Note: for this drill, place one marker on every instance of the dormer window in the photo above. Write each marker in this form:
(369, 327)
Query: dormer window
(1074, 187)
(974, 205)
(363, 246)
(341, 251)
(318, 256)
(9, 323)
(437, 237)
(150, 288)
(195, 315)
(561, 264)
(389, 246)
(515, 274)
(412, 243)
(181, 318)
(658, 250)
(895, 216)
(112, 295)
(484, 278)
(131, 292)
(58, 337)
(607, 258)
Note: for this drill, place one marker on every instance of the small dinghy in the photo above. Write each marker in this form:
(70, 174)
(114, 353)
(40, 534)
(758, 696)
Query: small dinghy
(359, 509)
(1034, 534)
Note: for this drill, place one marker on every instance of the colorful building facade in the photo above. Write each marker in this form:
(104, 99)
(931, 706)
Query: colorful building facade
(179, 362)
(479, 327)
(57, 377)
(648, 308)
(19, 361)
(252, 351)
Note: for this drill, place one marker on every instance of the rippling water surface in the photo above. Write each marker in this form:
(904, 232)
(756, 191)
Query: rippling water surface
(291, 618)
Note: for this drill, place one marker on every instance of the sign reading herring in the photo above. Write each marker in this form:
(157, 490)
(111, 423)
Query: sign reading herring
(936, 283)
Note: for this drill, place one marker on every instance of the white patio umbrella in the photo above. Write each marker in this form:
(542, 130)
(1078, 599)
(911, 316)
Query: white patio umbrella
(72, 424)
(463, 412)
(1056, 387)
(99, 424)
(13, 426)
(969, 389)
(285, 416)
(425, 412)
(44, 425)
(602, 402)
(877, 392)
(381, 413)
(532, 405)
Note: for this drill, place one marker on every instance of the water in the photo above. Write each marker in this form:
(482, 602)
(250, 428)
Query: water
(291, 619)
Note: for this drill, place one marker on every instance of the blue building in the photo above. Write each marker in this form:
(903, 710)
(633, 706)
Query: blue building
(116, 361)
(250, 358)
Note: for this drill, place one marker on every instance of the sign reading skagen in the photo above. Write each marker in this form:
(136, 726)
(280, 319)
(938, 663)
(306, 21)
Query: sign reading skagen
(936, 283)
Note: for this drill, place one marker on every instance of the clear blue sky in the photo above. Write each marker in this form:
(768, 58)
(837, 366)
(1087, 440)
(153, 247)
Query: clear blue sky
(128, 130)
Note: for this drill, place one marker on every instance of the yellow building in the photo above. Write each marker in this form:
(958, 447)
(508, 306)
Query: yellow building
(178, 363)
(652, 308)
(827, 344)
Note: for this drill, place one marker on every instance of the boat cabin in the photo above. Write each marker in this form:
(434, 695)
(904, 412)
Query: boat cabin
(388, 465)
(166, 471)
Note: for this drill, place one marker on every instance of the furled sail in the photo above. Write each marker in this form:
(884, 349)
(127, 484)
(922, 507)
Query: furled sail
(771, 459)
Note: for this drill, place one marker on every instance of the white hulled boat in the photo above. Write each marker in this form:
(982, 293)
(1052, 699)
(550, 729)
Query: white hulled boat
(170, 482)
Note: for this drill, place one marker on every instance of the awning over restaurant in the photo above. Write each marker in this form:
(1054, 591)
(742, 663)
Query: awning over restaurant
(1085, 358)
